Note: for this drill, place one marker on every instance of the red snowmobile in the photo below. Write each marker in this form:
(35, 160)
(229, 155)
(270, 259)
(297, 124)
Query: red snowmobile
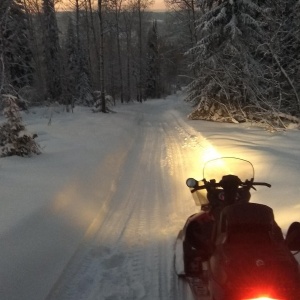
(234, 249)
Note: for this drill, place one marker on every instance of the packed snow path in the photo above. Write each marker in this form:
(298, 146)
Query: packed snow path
(129, 252)
(95, 216)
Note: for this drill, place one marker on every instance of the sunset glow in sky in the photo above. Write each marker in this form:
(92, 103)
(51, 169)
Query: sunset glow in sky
(158, 5)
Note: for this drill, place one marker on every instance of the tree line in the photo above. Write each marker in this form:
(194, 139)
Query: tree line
(116, 47)
(87, 52)
(239, 57)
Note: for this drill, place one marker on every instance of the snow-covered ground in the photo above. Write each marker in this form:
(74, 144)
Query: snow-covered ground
(96, 215)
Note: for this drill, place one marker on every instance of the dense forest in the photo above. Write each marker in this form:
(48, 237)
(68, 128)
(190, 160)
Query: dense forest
(239, 59)
(116, 47)
(246, 62)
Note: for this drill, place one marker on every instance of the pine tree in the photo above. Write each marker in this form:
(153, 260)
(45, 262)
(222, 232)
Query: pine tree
(153, 64)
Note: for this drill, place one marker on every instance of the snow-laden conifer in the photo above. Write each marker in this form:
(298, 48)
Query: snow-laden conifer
(229, 76)
(15, 51)
(14, 139)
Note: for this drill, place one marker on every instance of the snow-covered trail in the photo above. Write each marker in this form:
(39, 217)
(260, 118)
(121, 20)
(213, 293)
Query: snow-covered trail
(130, 253)
(50, 202)
(95, 216)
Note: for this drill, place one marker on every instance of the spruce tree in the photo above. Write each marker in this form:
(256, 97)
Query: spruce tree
(17, 56)
(14, 139)
(228, 73)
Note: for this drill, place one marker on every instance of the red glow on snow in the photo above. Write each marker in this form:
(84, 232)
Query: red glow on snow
(261, 298)
(263, 293)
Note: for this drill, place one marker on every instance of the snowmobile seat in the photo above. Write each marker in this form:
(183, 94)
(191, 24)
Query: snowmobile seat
(247, 223)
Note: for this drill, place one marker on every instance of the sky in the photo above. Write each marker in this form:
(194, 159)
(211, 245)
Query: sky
(96, 215)
(158, 5)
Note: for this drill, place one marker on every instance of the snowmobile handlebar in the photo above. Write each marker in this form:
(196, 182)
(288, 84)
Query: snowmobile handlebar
(230, 189)
(194, 184)
(262, 183)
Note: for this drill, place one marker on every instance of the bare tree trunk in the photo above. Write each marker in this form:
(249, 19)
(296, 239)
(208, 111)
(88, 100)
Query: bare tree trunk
(102, 81)
(286, 76)
(117, 14)
(139, 87)
(112, 77)
(192, 29)
(128, 26)
(77, 24)
(95, 41)
(128, 67)
(88, 35)
(2, 64)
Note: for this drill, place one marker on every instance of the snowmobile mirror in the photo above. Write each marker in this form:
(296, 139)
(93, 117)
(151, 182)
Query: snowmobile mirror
(191, 183)
(293, 237)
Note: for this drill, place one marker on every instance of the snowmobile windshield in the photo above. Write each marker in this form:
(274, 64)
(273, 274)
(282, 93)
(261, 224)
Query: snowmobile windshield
(217, 168)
